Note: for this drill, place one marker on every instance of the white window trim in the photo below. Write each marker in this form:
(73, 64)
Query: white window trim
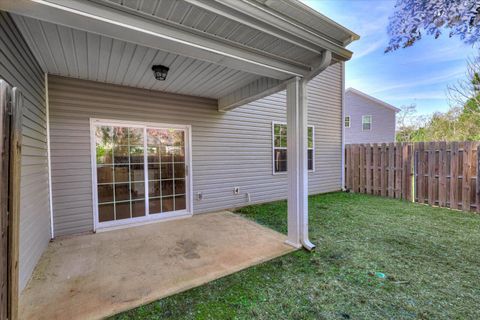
(284, 148)
(349, 121)
(111, 225)
(371, 122)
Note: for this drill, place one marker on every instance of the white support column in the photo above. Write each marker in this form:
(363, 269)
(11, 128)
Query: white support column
(297, 167)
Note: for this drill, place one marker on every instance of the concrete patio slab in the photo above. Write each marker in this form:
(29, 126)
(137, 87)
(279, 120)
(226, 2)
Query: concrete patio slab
(97, 275)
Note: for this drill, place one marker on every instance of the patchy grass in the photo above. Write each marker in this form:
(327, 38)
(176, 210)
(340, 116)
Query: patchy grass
(430, 257)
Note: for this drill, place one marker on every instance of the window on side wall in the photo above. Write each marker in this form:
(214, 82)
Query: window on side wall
(366, 123)
(280, 147)
(347, 122)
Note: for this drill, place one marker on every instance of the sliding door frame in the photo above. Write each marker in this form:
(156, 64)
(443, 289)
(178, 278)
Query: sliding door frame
(115, 224)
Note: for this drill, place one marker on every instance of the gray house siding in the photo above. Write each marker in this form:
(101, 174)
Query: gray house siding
(228, 149)
(383, 121)
(19, 68)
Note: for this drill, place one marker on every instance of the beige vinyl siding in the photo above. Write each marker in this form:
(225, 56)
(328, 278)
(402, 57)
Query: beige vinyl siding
(19, 68)
(228, 149)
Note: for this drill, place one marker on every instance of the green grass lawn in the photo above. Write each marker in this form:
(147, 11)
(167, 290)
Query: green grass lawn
(430, 257)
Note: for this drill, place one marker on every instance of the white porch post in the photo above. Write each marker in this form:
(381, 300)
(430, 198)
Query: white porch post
(297, 167)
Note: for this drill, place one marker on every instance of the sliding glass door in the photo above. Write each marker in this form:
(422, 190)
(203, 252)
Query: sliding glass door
(141, 172)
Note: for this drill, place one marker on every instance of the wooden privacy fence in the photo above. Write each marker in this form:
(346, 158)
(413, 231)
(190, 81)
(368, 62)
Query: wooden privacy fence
(443, 174)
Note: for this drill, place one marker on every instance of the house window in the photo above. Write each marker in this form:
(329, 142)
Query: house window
(280, 147)
(366, 122)
(347, 122)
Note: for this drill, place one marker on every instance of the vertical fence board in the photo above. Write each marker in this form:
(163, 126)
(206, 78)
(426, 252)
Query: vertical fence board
(391, 170)
(466, 176)
(361, 159)
(368, 168)
(431, 173)
(442, 174)
(5, 98)
(421, 173)
(398, 171)
(14, 201)
(383, 164)
(375, 169)
(454, 157)
(355, 168)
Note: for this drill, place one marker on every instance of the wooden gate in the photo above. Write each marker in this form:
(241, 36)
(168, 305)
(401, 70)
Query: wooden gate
(444, 174)
(10, 146)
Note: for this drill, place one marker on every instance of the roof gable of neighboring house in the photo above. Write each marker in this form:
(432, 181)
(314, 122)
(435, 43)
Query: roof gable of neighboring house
(370, 99)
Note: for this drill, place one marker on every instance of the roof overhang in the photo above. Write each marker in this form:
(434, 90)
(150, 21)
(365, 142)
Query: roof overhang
(280, 20)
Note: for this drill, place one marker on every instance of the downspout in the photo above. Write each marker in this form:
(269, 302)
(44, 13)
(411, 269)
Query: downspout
(323, 64)
(49, 157)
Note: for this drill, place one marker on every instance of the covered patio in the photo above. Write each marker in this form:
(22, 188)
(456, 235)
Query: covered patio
(95, 276)
(220, 54)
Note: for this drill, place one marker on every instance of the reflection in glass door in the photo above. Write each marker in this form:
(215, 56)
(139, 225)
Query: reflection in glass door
(166, 170)
(140, 171)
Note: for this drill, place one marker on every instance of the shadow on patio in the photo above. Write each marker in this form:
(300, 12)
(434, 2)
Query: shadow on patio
(93, 276)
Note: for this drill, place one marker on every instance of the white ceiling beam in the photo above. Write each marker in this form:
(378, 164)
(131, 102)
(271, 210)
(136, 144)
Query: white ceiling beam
(265, 86)
(104, 20)
(253, 91)
(263, 18)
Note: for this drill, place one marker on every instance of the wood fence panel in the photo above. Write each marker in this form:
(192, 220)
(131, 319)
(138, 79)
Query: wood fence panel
(436, 173)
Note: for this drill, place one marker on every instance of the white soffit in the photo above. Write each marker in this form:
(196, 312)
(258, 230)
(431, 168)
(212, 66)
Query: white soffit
(78, 54)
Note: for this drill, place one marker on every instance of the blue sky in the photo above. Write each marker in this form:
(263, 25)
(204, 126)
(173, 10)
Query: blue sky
(419, 74)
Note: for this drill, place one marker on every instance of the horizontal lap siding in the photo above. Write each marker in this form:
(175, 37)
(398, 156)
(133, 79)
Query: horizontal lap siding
(383, 121)
(228, 149)
(19, 68)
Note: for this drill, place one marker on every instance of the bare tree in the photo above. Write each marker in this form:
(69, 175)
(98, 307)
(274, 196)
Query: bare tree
(466, 92)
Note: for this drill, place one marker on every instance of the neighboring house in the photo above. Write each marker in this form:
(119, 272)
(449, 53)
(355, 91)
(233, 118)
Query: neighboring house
(368, 119)
(107, 144)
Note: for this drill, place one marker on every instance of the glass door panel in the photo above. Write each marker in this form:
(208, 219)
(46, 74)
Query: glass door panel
(166, 170)
(120, 172)
(136, 163)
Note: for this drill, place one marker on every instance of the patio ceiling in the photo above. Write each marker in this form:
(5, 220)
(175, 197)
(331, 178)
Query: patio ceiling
(230, 50)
